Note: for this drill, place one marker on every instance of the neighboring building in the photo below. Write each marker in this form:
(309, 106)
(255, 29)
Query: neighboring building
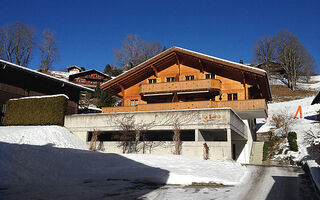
(273, 68)
(17, 81)
(74, 69)
(210, 100)
(90, 78)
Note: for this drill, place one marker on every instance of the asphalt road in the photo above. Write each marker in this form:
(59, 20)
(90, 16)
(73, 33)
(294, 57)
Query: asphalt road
(279, 183)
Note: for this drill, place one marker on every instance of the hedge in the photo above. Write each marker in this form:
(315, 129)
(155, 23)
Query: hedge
(36, 111)
(292, 139)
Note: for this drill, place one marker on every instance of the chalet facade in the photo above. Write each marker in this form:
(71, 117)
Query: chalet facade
(17, 81)
(209, 99)
(90, 78)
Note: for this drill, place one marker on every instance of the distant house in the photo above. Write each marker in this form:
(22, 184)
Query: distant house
(90, 78)
(74, 69)
(272, 68)
(17, 81)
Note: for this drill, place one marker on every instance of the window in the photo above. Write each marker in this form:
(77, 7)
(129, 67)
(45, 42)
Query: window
(210, 76)
(170, 79)
(152, 81)
(134, 102)
(233, 96)
(190, 78)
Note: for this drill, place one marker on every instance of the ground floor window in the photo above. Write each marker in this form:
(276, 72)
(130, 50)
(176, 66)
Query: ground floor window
(157, 135)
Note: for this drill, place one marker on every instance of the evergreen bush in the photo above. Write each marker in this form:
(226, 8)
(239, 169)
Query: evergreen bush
(36, 111)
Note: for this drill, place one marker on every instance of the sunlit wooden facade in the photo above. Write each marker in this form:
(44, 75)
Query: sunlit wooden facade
(182, 79)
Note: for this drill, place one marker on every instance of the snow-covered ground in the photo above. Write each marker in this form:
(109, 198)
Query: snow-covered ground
(52, 159)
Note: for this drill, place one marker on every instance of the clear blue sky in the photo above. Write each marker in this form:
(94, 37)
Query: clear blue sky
(88, 31)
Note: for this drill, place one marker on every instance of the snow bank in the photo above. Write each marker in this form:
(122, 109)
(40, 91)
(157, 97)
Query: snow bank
(41, 135)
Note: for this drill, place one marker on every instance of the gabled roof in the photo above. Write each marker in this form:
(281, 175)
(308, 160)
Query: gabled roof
(73, 66)
(43, 75)
(72, 76)
(229, 69)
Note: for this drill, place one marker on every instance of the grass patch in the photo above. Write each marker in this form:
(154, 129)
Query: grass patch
(282, 93)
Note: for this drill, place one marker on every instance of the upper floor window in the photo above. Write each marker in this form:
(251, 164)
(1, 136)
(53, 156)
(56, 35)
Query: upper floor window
(152, 80)
(170, 79)
(134, 102)
(190, 78)
(233, 97)
(210, 76)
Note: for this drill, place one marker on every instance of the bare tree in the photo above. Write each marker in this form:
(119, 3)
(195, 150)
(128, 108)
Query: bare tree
(291, 55)
(135, 51)
(265, 51)
(132, 133)
(286, 49)
(17, 43)
(177, 120)
(49, 50)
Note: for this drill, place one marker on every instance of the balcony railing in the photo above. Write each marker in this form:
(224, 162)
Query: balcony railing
(204, 84)
(251, 104)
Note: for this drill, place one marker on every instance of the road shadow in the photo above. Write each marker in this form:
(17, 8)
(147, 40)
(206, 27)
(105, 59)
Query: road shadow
(293, 188)
(47, 172)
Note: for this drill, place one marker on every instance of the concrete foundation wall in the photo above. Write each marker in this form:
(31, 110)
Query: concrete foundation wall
(222, 120)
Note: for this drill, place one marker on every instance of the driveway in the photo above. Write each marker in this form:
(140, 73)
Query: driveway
(263, 182)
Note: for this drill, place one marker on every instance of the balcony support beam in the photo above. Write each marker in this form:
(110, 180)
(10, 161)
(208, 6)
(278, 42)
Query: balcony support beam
(154, 70)
(201, 66)
(244, 85)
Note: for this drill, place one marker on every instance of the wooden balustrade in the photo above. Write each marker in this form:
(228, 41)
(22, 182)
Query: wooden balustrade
(180, 86)
(251, 104)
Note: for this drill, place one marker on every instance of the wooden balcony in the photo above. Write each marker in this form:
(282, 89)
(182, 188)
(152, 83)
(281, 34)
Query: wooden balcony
(180, 86)
(240, 105)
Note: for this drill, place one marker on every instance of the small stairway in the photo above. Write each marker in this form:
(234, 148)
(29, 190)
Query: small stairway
(256, 153)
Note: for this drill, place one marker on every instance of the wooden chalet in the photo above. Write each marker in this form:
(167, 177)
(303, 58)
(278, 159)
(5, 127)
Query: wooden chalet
(74, 69)
(17, 81)
(90, 78)
(182, 79)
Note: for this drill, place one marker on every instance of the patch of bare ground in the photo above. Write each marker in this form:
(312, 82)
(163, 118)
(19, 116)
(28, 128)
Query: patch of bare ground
(282, 93)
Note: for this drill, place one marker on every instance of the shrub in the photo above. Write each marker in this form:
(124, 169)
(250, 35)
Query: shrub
(292, 139)
(292, 136)
(265, 150)
(282, 120)
(36, 111)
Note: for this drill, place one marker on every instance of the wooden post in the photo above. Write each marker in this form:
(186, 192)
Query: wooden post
(122, 93)
(245, 87)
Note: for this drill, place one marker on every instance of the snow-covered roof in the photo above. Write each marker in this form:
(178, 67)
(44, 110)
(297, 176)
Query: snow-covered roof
(46, 75)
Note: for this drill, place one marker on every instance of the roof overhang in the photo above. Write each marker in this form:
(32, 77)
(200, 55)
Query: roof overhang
(6, 64)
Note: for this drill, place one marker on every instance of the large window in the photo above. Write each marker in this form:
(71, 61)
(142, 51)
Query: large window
(190, 78)
(233, 96)
(210, 76)
(134, 102)
(152, 80)
(170, 79)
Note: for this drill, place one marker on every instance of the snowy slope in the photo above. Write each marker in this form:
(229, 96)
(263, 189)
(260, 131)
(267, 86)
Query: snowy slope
(47, 155)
